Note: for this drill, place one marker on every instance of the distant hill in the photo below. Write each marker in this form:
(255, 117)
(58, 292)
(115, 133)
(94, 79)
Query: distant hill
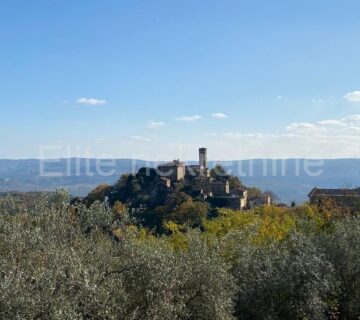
(288, 179)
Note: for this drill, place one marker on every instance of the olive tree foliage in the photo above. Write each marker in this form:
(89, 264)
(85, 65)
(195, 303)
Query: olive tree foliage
(58, 263)
(191, 284)
(342, 248)
(9, 205)
(60, 198)
(290, 279)
(75, 262)
(47, 265)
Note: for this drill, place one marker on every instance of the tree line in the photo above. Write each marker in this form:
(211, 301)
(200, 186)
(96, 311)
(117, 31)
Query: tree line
(62, 261)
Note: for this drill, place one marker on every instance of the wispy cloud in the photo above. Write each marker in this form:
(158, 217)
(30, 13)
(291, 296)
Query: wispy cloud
(91, 101)
(189, 118)
(353, 118)
(353, 96)
(317, 100)
(140, 138)
(329, 138)
(335, 123)
(303, 127)
(347, 125)
(155, 124)
(219, 115)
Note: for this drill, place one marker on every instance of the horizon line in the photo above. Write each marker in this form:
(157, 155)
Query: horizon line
(191, 160)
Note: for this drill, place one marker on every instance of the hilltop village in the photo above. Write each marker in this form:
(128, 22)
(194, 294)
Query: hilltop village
(174, 191)
(214, 186)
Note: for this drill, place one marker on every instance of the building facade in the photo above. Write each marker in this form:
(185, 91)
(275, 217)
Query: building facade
(174, 170)
(258, 201)
(346, 198)
(203, 162)
(220, 188)
(216, 190)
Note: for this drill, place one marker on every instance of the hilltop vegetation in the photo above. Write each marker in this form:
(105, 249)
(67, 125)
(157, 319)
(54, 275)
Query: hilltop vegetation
(155, 204)
(59, 261)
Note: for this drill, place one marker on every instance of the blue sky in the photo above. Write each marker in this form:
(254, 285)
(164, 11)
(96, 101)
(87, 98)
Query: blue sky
(157, 79)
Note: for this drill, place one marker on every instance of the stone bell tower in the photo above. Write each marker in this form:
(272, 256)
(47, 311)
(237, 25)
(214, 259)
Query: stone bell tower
(203, 158)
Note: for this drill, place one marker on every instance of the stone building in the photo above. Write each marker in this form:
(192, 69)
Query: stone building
(166, 182)
(258, 201)
(347, 198)
(223, 197)
(174, 170)
(203, 158)
(231, 201)
(216, 191)
(242, 194)
(199, 170)
(220, 188)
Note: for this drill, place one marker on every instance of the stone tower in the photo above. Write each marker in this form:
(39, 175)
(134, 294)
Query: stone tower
(203, 158)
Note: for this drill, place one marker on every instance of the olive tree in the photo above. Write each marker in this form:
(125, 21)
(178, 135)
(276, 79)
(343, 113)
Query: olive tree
(56, 263)
(290, 279)
(342, 248)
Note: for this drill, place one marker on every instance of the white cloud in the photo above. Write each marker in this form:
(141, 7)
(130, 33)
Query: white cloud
(353, 96)
(317, 100)
(353, 118)
(141, 138)
(155, 124)
(91, 101)
(303, 127)
(219, 115)
(334, 123)
(235, 135)
(321, 138)
(189, 118)
(330, 126)
(330, 138)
